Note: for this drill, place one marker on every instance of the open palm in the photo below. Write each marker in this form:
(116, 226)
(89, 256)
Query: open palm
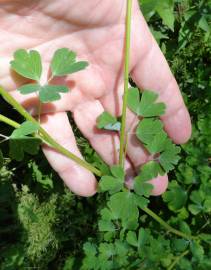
(95, 30)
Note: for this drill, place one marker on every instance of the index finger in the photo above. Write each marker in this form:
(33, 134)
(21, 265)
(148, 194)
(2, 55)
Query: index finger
(151, 71)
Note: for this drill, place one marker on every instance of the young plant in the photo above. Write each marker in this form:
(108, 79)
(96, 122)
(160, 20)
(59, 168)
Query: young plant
(120, 218)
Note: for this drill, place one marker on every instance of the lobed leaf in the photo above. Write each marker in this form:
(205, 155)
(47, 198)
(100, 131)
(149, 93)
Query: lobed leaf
(147, 106)
(50, 93)
(27, 64)
(108, 122)
(64, 63)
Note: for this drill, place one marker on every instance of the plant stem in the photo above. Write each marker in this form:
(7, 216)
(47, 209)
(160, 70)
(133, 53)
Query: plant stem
(167, 226)
(126, 83)
(45, 136)
(177, 259)
(9, 121)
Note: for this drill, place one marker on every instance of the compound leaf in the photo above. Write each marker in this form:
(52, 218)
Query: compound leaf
(64, 63)
(27, 64)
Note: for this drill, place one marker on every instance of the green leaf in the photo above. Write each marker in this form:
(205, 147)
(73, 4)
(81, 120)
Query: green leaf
(50, 93)
(1, 159)
(23, 145)
(27, 64)
(149, 171)
(132, 239)
(108, 122)
(169, 157)
(197, 250)
(29, 88)
(123, 206)
(148, 107)
(176, 196)
(165, 8)
(106, 226)
(180, 245)
(19, 142)
(147, 129)
(134, 100)
(64, 63)
(113, 183)
(25, 129)
(150, 132)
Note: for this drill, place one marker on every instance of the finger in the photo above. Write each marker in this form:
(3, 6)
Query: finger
(106, 143)
(78, 179)
(151, 71)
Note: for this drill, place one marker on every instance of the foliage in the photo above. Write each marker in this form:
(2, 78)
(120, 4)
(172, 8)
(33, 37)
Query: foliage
(45, 226)
(29, 65)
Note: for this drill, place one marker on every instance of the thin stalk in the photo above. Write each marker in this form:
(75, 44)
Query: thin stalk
(9, 121)
(46, 137)
(126, 83)
(167, 226)
(177, 259)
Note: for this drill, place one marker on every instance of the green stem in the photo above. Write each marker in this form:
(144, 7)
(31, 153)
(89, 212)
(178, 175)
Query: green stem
(177, 259)
(167, 226)
(9, 121)
(45, 136)
(126, 83)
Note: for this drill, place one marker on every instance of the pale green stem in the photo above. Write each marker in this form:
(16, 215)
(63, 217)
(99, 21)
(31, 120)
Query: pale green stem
(126, 83)
(167, 226)
(8, 121)
(177, 259)
(45, 136)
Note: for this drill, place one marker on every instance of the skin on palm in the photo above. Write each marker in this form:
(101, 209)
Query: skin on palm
(86, 28)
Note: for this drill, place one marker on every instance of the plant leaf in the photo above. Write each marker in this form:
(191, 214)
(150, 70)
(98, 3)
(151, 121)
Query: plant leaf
(19, 142)
(64, 63)
(19, 146)
(123, 206)
(148, 107)
(169, 157)
(148, 171)
(29, 88)
(26, 128)
(27, 64)
(147, 129)
(50, 93)
(108, 122)
(134, 100)
(113, 183)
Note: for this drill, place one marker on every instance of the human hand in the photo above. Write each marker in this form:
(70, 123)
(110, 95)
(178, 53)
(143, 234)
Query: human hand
(95, 30)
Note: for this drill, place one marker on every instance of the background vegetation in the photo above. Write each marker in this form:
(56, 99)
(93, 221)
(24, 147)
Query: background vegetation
(43, 225)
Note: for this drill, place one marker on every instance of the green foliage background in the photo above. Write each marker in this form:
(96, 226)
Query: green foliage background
(43, 225)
